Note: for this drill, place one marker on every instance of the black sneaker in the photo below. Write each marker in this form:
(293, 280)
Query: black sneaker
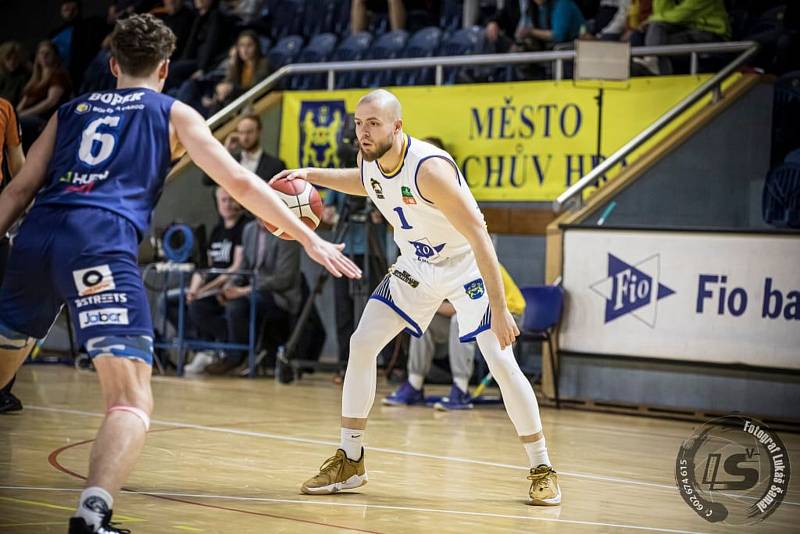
(9, 402)
(77, 525)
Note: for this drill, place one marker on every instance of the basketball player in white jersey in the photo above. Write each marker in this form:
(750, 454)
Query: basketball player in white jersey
(446, 253)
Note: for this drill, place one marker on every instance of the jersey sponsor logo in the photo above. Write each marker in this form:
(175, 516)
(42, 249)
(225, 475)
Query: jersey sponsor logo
(82, 182)
(632, 289)
(475, 289)
(103, 298)
(82, 108)
(321, 124)
(425, 251)
(103, 316)
(405, 277)
(114, 99)
(408, 196)
(93, 280)
(376, 186)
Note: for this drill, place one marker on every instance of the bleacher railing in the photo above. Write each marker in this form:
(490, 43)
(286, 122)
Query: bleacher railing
(556, 58)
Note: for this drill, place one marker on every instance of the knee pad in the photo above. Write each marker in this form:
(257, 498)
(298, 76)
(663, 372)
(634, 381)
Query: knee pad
(130, 347)
(10, 339)
(138, 412)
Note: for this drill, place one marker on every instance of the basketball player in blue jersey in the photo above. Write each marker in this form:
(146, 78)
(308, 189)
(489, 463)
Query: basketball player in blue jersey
(446, 253)
(95, 174)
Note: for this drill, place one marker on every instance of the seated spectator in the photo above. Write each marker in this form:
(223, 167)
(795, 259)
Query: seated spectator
(557, 21)
(687, 21)
(444, 329)
(205, 46)
(206, 311)
(245, 146)
(248, 67)
(14, 73)
(179, 19)
(278, 292)
(636, 24)
(77, 39)
(609, 22)
(48, 88)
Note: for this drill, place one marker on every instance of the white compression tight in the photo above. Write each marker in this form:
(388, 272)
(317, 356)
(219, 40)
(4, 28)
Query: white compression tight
(380, 324)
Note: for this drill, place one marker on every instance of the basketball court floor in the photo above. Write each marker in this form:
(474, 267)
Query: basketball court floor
(229, 455)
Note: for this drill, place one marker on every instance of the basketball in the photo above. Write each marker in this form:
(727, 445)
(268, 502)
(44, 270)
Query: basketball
(302, 199)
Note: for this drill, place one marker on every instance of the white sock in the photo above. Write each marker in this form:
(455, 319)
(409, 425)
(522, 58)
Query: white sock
(462, 383)
(93, 505)
(537, 453)
(416, 381)
(352, 441)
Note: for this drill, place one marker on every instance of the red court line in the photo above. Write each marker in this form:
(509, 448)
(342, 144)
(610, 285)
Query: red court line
(53, 460)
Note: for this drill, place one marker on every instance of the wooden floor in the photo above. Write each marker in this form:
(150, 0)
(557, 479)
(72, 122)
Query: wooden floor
(228, 455)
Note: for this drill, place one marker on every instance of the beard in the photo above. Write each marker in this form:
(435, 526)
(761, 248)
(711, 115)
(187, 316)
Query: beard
(379, 149)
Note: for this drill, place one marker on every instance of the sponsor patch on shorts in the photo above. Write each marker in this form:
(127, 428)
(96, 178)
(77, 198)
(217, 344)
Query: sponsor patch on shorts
(405, 277)
(93, 280)
(103, 317)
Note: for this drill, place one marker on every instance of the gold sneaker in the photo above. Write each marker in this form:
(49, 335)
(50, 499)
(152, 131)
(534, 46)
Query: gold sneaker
(544, 486)
(337, 473)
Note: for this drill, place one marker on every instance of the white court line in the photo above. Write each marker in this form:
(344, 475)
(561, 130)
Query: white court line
(373, 506)
(312, 441)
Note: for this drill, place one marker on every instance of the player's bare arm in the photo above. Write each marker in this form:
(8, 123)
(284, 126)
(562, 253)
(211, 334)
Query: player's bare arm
(250, 191)
(347, 181)
(437, 181)
(23, 188)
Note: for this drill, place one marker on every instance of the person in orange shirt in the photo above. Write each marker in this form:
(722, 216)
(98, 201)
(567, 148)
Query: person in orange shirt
(11, 160)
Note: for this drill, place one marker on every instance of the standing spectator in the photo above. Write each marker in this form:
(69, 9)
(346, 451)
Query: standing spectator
(276, 263)
(77, 39)
(13, 72)
(179, 19)
(207, 40)
(11, 154)
(48, 88)
(687, 21)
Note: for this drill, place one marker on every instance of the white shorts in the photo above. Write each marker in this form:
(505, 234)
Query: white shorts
(416, 289)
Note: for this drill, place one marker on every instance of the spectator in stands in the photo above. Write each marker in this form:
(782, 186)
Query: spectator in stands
(245, 146)
(13, 72)
(360, 9)
(179, 19)
(48, 87)
(278, 292)
(636, 25)
(444, 329)
(205, 46)
(687, 21)
(11, 146)
(77, 39)
(610, 21)
(557, 21)
(248, 67)
(206, 310)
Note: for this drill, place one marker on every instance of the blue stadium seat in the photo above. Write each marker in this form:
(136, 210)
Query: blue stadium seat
(341, 23)
(452, 15)
(265, 44)
(286, 18)
(387, 46)
(543, 305)
(462, 43)
(353, 48)
(285, 51)
(319, 49)
(424, 43)
(322, 16)
(780, 203)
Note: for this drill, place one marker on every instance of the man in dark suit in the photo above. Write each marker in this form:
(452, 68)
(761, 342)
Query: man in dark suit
(245, 145)
(278, 287)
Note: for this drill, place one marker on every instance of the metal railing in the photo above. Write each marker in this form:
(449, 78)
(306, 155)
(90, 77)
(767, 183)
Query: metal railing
(439, 63)
(574, 194)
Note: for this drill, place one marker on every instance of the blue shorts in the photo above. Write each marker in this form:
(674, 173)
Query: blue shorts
(84, 257)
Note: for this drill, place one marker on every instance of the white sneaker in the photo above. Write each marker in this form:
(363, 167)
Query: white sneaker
(201, 360)
(650, 63)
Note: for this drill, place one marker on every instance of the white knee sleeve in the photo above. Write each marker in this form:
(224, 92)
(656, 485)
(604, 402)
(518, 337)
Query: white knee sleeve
(378, 325)
(517, 392)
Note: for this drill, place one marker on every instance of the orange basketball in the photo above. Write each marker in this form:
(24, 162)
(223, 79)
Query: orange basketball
(302, 199)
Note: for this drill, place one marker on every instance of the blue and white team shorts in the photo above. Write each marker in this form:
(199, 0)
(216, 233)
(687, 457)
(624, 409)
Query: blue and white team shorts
(84, 257)
(415, 290)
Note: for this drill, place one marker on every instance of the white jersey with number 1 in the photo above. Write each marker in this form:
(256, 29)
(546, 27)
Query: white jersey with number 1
(436, 261)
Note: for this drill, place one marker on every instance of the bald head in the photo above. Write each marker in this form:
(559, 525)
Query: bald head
(379, 123)
(385, 101)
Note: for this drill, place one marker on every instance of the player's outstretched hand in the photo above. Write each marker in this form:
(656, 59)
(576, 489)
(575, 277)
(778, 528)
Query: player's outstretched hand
(330, 256)
(290, 174)
(505, 328)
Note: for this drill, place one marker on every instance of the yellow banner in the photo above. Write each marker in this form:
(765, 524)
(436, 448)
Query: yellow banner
(524, 141)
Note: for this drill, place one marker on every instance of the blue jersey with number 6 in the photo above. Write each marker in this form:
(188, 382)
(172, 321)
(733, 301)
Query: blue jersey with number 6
(112, 152)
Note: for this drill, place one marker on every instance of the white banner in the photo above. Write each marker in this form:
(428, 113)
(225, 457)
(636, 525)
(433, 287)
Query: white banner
(697, 296)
